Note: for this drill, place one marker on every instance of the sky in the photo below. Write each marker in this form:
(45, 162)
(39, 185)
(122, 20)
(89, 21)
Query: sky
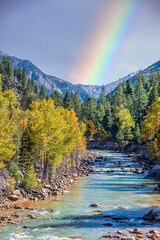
(82, 41)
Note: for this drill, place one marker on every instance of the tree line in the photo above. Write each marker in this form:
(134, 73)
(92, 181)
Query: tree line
(34, 133)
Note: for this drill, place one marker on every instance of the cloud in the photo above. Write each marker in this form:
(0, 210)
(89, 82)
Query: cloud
(75, 76)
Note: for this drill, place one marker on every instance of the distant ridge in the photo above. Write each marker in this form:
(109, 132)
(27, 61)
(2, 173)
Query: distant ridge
(52, 83)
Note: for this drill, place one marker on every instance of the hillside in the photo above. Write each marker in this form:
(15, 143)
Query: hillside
(52, 83)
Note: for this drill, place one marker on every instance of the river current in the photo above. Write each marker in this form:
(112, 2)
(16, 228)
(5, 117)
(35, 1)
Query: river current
(124, 196)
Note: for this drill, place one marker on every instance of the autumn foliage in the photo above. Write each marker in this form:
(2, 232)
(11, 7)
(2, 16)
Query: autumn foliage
(150, 130)
(41, 136)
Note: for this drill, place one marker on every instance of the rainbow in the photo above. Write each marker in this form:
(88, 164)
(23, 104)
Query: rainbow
(107, 41)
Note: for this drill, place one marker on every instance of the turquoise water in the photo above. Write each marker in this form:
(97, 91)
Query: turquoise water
(125, 197)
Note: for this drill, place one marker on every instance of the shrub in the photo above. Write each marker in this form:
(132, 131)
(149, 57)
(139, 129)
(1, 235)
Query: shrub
(14, 170)
(11, 184)
(30, 179)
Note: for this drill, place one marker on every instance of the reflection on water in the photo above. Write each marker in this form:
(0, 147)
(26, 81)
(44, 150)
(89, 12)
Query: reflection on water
(124, 197)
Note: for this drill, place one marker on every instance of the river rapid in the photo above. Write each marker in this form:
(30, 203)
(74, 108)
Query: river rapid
(125, 197)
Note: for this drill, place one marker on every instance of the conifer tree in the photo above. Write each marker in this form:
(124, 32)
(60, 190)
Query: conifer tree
(119, 136)
(140, 101)
(154, 94)
(1, 67)
(137, 134)
(42, 93)
(68, 101)
(15, 72)
(108, 118)
(102, 93)
(24, 78)
(58, 100)
(19, 74)
(129, 87)
(6, 84)
(8, 69)
(142, 78)
(77, 105)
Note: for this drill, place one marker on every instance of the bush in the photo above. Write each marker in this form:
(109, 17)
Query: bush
(11, 185)
(14, 170)
(30, 179)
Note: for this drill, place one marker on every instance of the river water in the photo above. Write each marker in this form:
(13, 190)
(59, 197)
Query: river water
(125, 197)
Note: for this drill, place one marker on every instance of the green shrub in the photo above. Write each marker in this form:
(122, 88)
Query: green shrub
(30, 179)
(14, 170)
(11, 185)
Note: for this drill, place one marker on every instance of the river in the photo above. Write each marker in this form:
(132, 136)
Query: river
(125, 197)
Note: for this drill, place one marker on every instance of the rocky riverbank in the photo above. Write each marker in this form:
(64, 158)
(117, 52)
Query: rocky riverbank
(58, 185)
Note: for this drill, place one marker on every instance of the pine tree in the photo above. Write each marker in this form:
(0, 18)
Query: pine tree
(100, 113)
(118, 99)
(153, 95)
(108, 118)
(68, 101)
(140, 101)
(1, 67)
(129, 87)
(58, 100)
(6, 84)
(119, 136)
(42, 93)
(142, 78)
(15, 72)
(153, 78)
(30, 180)
(102, 93)
(24, 78)
(8, 69)
(90, 108)
(36, 89)
(77, 105)
(19, 74)
(137, 134)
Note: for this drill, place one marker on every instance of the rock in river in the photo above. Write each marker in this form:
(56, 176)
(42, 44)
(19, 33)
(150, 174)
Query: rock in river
(151, 215)
(95, 205)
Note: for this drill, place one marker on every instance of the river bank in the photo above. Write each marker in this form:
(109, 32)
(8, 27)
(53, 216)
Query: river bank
(60, 184)
(123, 199)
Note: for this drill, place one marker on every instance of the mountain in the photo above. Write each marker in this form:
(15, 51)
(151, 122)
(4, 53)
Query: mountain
(50, 83)
(94, 90)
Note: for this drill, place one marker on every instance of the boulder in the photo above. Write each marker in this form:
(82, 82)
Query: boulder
(151, 215)
(14, 197)
(95, 205)
(17, 193)
(154, 172)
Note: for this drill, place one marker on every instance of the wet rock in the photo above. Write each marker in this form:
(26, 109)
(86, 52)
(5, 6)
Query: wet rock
(151, 215)
(138, 171)
(29, 208)
(154, 172)
(96, 205)
(136, 231)
(26, 227)
(32, 216)
(52, 211)
(154, 231)
(96, 211)
(108, 224)
(108, 237)
(14, 197)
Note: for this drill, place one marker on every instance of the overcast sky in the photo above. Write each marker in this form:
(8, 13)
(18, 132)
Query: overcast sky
(53, 34)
